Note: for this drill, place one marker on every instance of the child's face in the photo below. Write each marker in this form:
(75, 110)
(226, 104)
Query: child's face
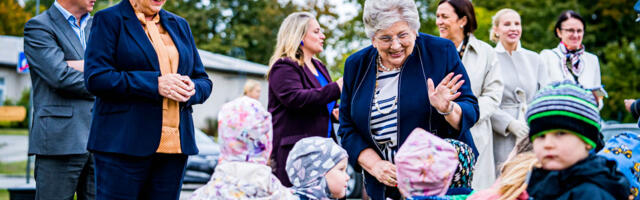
(337, 179)
(559, 150)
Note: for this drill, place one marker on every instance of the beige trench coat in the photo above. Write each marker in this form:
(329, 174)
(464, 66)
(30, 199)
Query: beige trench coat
(522, 72)
(484, 72)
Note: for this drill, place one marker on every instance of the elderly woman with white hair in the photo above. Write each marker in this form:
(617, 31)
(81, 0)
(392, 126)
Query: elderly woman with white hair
(404, 80)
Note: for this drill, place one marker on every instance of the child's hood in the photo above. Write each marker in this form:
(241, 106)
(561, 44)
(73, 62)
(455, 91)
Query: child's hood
(243, 180)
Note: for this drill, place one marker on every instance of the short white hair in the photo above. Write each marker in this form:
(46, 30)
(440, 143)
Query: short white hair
(381, 14)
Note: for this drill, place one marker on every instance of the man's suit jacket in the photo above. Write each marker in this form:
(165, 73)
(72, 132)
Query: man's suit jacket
(61, 103)
(122, 70)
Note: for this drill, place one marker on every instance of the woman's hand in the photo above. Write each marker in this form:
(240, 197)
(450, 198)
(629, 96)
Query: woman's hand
(441, 96)
(628, 103)
(385, 172)
(518, 128)
(176, 87)
(340, 82)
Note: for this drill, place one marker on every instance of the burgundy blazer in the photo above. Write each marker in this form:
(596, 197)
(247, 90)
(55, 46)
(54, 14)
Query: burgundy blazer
(298, 105)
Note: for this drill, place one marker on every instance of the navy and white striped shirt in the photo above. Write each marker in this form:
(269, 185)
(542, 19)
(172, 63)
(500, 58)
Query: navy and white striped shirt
(384, 126)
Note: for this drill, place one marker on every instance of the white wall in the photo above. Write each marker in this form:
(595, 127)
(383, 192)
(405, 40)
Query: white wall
(14, 83)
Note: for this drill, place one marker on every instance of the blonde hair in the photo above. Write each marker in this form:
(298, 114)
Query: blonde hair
(250, 85)
(290, 35)
(512, 181)
(495, 22)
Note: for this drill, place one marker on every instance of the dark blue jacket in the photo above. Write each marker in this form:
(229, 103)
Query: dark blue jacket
(122, 70)
(592, 178)
(635, 109)
(432, 57)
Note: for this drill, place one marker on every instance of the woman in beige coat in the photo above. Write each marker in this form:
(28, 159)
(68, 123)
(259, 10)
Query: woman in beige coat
(523, 73)
(456, 21)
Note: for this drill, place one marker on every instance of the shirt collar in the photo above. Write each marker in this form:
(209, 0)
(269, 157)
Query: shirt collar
(500, 49)
(68, 16)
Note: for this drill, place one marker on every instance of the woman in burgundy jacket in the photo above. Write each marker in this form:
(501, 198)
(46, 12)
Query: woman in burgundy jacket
(301, 94)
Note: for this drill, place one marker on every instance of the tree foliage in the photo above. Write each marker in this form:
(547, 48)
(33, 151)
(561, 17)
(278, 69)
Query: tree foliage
(248, 29)
(13, 18)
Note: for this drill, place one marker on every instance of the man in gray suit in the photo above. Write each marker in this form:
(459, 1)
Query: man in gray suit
(54, 44)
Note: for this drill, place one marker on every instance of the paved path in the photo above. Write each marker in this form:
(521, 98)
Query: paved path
(14, 181)
(13, 148)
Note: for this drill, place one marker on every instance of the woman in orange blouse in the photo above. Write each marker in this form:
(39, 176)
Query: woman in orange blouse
(144, 68)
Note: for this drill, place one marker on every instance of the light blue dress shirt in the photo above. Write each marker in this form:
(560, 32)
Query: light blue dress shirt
(74, 23)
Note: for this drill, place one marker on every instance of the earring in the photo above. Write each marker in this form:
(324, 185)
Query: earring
(461, 26)
(301, 43)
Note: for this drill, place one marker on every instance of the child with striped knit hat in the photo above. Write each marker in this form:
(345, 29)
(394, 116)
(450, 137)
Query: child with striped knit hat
(565, 127)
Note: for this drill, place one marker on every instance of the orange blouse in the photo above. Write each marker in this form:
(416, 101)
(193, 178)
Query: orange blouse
(168, 58)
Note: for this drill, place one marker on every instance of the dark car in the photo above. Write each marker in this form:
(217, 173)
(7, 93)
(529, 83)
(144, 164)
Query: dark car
(612, 129)
(201, 166)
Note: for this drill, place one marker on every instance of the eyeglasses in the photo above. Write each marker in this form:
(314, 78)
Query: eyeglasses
(572, 31)
(403, 38)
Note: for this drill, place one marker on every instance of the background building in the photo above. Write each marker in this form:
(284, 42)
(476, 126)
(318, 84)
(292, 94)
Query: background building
(228, 75)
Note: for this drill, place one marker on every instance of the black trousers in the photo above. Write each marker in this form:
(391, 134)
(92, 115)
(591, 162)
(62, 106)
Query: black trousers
(156, 177)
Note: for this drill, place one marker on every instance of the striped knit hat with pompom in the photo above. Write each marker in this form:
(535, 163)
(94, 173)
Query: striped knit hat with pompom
(567, 106)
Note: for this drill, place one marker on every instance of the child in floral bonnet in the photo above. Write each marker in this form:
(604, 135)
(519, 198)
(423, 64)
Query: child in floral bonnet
(425, 166)
(245, 132)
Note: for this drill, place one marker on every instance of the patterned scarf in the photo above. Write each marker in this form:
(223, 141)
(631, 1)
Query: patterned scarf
(572, 60)
(309, 160)
(464, 46)
(466, 162)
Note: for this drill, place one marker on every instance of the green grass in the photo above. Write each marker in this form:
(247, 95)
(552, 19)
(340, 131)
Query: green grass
(4, 194)
(14, 168)
(14, 131)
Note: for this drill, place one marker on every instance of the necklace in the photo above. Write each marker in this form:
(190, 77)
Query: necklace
(375, 97)
(385, 68)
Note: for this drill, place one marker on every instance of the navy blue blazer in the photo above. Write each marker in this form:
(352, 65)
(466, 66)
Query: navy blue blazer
(122, 70)
(432, 57)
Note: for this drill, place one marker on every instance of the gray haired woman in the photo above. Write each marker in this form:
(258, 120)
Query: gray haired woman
(404, 80)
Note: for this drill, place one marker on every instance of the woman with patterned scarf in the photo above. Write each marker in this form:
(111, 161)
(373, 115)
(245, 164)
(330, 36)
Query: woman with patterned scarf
(569, 60)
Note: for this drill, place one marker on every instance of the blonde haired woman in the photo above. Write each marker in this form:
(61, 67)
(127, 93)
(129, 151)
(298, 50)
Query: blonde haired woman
(301, 94)
(523, 73)
(252, 89)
